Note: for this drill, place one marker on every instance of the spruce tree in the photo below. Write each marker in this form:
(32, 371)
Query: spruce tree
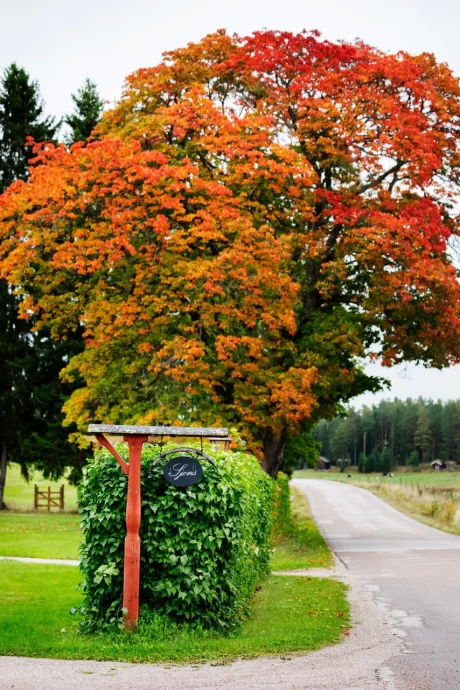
(31, 394)
(88, 111)
(21, 116)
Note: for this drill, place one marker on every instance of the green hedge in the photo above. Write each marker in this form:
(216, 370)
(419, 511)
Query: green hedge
(203, 547)
(282, 517)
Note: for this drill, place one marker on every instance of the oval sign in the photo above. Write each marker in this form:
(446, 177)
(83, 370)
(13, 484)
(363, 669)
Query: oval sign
(182, 470)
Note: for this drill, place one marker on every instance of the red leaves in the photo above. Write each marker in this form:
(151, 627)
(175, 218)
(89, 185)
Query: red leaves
(257, 214)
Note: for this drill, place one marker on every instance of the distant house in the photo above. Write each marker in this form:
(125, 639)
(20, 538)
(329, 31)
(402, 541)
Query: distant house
(438, 465)
(323, 464)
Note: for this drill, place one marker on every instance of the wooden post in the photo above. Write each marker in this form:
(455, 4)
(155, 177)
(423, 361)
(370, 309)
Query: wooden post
(36, 498)
(132, 565)
(62, 497)
(49, 499)
(135, 437)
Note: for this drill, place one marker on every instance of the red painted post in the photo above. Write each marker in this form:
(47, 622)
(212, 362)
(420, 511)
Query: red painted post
(131, 576)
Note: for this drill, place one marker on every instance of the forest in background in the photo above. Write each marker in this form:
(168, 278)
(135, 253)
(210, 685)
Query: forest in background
(405, 432)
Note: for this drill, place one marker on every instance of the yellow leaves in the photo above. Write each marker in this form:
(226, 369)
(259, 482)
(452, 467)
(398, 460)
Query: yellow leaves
(234, 240)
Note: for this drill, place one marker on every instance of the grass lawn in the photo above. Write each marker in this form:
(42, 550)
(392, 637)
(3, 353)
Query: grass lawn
(19, 494)
(301, 545)
(289, 614)
(38, 535)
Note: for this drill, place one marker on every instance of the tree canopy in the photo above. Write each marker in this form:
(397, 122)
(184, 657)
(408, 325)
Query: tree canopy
(257, 215)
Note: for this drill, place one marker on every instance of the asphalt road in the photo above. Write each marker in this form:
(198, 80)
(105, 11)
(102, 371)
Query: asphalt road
(411, 570)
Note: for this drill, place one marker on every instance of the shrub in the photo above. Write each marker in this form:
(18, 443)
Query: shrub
(385, 461)
(203, 548)
(369, 465)
(450, 510)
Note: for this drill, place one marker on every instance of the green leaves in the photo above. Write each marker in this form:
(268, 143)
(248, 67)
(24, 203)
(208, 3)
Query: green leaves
(203, 548)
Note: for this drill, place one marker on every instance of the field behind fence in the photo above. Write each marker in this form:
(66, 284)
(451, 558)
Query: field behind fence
(20, 494)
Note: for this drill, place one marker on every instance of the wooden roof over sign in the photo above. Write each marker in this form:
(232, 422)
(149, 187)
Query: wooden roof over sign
(128, 430)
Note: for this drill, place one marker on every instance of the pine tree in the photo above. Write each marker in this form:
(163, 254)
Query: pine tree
(21, 116)
(88, 111)
(362, 462)
(31, 394)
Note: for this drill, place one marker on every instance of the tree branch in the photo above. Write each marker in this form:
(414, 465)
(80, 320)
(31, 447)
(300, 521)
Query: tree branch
(381, 178)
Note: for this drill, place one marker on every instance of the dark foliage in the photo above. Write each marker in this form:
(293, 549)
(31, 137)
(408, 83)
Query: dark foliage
(87, 112)
(397, 432)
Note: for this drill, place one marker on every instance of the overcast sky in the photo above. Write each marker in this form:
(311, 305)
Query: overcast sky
(61, 42)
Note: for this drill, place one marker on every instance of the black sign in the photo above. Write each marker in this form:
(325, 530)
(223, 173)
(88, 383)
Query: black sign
(182, 470)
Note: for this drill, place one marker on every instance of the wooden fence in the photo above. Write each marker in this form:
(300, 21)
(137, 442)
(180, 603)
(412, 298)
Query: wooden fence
(49, 499)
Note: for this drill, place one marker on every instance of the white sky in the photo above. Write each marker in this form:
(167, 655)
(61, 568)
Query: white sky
(61, 42)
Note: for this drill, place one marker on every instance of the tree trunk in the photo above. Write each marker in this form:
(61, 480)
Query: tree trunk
(273, 451)
(3, 465)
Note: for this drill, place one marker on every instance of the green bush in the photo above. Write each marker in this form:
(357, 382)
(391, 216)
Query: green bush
(203, 547)
(300, 450)
(281, 505)
(385, 460)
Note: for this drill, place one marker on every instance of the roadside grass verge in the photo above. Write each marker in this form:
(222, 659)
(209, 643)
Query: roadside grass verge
(19, 494)
(288, 614)
(433, 506)
(402, 476)
(299, 543)
(38, 535)
(430, 497)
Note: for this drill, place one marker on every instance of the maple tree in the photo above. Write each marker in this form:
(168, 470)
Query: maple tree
(256, 215)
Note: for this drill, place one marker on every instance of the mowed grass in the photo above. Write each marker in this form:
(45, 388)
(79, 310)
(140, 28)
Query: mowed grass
(301, 544)
(19, 494)
(288, 614)
(37, 535)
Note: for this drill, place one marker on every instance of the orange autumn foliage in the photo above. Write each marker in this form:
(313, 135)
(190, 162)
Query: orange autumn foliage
(256, 215)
